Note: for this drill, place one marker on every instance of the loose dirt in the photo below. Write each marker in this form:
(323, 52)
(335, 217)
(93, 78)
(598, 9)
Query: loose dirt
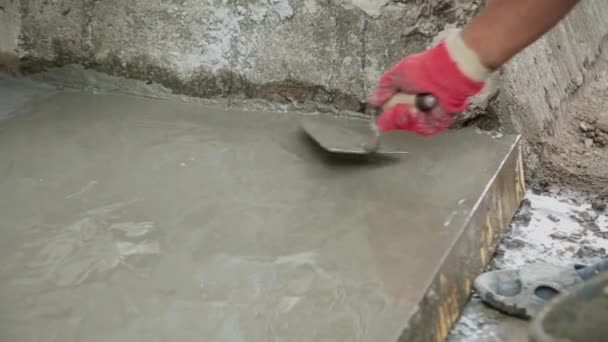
(576, 157)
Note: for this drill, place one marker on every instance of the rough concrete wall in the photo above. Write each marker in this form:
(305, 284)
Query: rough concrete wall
(330, 52)
(10, 23)
(326, 51)
(538, 82)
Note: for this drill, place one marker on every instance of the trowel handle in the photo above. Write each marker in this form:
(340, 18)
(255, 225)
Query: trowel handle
(424, 102)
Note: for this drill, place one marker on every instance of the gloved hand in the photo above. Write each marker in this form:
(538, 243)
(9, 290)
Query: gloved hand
(450, 71)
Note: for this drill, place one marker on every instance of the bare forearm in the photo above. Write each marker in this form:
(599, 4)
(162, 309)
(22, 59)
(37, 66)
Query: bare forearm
(505, 27)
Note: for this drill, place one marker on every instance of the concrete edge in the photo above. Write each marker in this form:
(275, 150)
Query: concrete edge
(451, 287)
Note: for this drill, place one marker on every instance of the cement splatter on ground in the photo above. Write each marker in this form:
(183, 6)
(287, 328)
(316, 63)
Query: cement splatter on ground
(557, 227)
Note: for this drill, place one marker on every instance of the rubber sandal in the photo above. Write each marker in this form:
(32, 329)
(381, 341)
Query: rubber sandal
(523, 293)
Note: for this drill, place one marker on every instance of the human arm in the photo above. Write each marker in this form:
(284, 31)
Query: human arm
(506, 27)
(459, 65)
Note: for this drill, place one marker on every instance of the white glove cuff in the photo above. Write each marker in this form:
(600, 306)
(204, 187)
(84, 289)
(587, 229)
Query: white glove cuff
(466, 59)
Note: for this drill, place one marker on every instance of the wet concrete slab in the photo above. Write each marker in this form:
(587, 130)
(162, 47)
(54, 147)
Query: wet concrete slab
(131, 219)
(18, 93)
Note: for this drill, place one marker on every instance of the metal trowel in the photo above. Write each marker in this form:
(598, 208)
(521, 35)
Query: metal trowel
(357, 136)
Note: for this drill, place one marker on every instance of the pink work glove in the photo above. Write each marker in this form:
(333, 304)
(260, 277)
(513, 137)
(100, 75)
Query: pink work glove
(450, 71)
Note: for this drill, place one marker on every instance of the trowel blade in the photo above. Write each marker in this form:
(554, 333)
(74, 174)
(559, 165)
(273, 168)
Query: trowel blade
(344, 135)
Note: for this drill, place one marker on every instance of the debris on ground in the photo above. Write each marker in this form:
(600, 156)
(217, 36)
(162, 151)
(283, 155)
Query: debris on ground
(550, 228)
(598, 205)
(602, 124)
(523, 292)
(577, 157)
(593, 135)
(588, 216)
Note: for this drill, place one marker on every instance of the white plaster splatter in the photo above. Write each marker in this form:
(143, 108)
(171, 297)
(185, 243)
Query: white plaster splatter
(288, 303)
(298, 259)
(83, 190)
(371, 7)
(455, 213)
(548, 235)
(311, 6)
(282, 8)
(540, 232)
(214, 50)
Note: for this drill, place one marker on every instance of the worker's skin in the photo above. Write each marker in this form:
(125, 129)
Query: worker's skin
(506, 27)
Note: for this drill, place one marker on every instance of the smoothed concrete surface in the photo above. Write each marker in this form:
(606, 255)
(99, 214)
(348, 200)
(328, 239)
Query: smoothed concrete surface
(131, 219)
(18, 93)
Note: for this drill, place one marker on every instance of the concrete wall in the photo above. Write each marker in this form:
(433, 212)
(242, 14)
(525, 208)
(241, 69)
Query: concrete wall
(546, 73)
(10, 24)
(539, 81)
(330, 52)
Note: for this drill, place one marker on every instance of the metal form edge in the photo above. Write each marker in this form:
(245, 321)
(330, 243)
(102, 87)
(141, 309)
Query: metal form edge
(451, 287)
